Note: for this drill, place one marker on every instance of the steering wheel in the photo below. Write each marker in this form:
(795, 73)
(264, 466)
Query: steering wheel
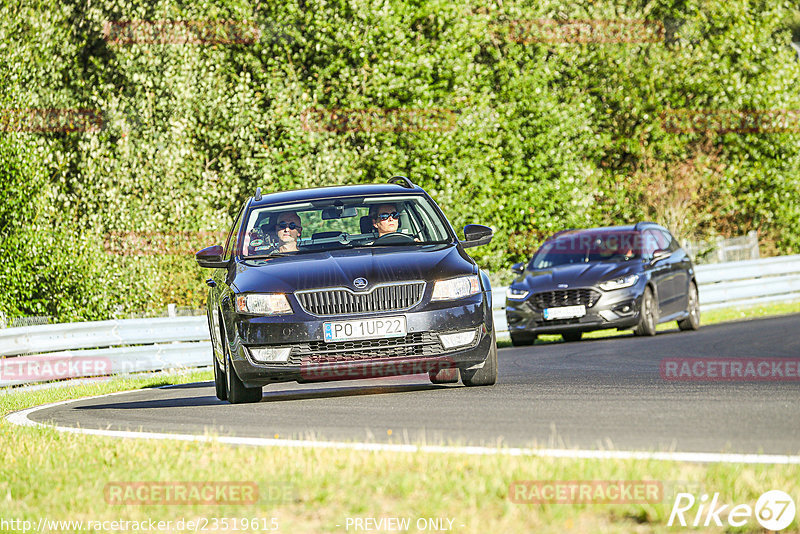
(393, 238)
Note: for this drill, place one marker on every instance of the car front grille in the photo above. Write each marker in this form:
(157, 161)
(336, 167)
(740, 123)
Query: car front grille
(414, 344)
(340, 301)
(565, 297)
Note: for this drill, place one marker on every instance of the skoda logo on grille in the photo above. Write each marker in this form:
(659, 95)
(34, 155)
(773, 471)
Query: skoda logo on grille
(360, 283)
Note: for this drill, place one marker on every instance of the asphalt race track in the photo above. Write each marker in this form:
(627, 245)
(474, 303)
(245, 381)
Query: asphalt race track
(598, 394)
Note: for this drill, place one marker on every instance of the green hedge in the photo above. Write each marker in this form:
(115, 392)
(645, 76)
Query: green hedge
(539, 136)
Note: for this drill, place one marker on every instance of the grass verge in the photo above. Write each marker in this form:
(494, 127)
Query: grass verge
(60, 476)
(51, 476)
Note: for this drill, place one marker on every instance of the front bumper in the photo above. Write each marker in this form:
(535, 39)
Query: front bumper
(614, 309)
(312, 359)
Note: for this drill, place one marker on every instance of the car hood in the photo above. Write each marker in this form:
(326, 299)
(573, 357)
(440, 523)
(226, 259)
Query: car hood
(577, 275)
(339, 268)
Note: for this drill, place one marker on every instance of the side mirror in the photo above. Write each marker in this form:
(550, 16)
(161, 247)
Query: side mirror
(211, 257)
(660, 254)
(476, 234)
(518, 268)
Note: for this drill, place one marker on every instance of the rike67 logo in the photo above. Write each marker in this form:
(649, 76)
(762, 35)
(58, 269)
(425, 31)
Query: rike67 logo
(774, 510)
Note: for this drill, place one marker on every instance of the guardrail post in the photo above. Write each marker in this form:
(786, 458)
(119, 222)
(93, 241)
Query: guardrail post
(172, 310)
(2, 320)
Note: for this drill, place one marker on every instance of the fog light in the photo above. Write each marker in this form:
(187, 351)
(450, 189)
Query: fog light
(266, 354)
(450, 341)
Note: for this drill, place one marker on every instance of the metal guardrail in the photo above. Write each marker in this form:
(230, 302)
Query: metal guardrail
(41, 353)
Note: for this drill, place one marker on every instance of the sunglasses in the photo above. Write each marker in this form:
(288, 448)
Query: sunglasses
(386, 216)
(292, 226)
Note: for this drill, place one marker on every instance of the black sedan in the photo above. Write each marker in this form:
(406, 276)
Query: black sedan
(346, 282)
(623, 277)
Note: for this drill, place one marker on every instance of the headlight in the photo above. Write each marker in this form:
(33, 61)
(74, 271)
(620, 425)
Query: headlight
(516, 293)
(263, 304)
(456, 288)
(619, 283)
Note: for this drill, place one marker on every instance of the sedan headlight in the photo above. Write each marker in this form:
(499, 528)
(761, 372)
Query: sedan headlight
(516, 293)
(456, 288)
(619, 283)
(263, 304)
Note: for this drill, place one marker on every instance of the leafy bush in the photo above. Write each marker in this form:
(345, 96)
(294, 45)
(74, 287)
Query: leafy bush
(543, 135)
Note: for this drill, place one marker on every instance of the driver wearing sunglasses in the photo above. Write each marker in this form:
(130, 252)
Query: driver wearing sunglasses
(288, 229)
(385, 218)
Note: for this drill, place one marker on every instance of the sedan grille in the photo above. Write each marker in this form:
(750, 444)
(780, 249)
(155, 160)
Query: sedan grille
(415, 344)
(340, 301)
(565, 297)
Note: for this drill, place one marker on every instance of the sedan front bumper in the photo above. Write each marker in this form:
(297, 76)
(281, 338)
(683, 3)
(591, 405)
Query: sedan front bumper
(313, 359)
(614, 309)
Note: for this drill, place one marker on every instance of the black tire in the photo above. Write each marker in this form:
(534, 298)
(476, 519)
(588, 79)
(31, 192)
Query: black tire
(444, 376)
(693, 307)
(522, 340)
(648, 315)
(572, 336)
(219, 381)
(486, 375)
(237, 392)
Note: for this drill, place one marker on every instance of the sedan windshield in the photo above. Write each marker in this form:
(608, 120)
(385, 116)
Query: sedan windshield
(587, 247)
(333, 224)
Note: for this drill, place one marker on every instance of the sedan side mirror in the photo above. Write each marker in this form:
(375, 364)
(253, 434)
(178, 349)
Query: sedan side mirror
(211, 257)
(518, 268)
(476, 234)
(660, 254)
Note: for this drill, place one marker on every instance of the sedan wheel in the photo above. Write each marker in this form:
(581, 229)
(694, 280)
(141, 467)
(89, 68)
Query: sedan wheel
(219, 381)
(237, 392)
(444, 376)
(572, 336)
(521, 340)
(693, 321)
(648, 315)
(486, 375)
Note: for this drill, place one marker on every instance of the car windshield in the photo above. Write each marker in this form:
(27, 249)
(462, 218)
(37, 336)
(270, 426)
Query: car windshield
(342, 223)
(588, 247)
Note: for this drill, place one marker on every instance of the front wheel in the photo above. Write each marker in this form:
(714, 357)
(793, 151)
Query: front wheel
(647, 315)
(486, 375)
(693, 321)
(219, 380)
(521, 340)
(444, 376)
(572, 336)
(237, 392)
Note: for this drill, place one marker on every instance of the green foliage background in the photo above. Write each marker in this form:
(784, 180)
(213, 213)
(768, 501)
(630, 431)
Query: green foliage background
(547, 136)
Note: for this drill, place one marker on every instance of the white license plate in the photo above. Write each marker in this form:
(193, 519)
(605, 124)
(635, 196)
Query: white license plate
(365, 329)
(565, 312)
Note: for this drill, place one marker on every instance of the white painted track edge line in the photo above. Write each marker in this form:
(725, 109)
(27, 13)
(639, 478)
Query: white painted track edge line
(21, 418)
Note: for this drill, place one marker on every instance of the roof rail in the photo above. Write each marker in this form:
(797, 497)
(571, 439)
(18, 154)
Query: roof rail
(258, 194)
(402, 181)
